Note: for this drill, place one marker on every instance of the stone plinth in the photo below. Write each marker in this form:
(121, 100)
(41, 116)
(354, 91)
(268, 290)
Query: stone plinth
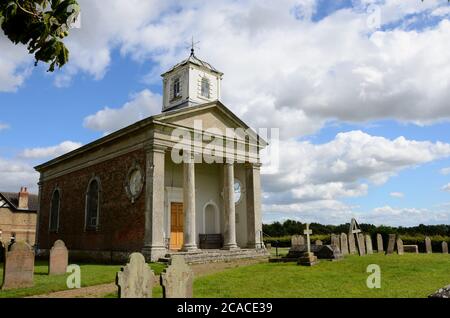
(307, 259)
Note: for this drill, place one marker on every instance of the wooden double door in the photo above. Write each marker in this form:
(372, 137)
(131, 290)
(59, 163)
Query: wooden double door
(176, 225)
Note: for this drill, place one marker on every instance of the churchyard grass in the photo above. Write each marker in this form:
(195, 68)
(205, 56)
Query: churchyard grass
(90, 275)
(409, 275)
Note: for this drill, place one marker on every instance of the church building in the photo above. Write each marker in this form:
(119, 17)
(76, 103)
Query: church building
(186, 180)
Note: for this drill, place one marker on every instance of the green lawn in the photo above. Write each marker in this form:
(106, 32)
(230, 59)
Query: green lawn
(90, 275)
(401, 276)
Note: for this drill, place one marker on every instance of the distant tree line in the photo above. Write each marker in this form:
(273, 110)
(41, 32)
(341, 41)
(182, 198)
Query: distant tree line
(291, 227)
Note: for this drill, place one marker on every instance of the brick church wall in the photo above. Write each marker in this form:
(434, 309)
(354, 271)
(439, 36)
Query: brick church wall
(121, 223)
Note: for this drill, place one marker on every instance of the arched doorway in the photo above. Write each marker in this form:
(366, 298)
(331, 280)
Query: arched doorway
(211, 222)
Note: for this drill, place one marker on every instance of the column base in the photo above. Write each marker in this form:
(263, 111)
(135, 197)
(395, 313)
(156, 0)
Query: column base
(153, 253)
(230, 247)
(189, 248)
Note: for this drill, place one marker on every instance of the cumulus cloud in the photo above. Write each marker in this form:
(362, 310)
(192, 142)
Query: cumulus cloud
(15, 64)
(398, 195)
(446, 188)
(343, 167)
(50, 152)
(17, 173)
(142, 105)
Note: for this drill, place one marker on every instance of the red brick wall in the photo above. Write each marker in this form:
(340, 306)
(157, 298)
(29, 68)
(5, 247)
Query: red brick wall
(121, 222)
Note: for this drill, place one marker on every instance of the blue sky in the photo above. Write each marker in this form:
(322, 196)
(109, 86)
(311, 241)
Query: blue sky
(320, 67)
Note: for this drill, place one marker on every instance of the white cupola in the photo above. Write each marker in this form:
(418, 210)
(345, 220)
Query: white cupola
(190, 82)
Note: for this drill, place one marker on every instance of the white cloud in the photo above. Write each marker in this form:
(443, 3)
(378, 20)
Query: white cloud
(344, 167)
(142, 105)
(4, 126)
(445, 171)
(15, 65)
(17, 173)
(446, 187)
(398, 195)
(50, 152)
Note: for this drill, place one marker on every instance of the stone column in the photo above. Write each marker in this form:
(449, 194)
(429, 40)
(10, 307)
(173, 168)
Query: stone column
(230, 209)
(154, 244)
(253, 197)
(189, 243)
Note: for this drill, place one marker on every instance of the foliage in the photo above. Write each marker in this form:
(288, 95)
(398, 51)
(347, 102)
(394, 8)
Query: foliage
(409, 275)
(41, 25)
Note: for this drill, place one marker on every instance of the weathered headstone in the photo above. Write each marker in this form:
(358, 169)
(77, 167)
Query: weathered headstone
(268, 246)
(361, 244)
(177, 280)
(18, 268)
(411, 249)
(335, 241)
(428, 247)
(400, 250)
(391, 244)
(308, 258)
(344, 244)
(318, 242)
(380, 248)
(59, 259)
(444, 247)
(297, 240)
(351, 244)
(369, 246)
(136, 279)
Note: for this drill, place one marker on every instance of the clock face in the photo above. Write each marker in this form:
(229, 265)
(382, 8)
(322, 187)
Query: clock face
(237, 191)
(135, 182)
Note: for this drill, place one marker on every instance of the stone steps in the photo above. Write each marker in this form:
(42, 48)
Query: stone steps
(215, 256)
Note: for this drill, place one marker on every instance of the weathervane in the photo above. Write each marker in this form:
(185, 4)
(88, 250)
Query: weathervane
(193, 45)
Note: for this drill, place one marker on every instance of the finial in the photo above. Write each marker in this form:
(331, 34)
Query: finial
(193, 44)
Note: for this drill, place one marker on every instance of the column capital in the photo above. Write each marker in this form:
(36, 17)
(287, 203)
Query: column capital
(255, 165)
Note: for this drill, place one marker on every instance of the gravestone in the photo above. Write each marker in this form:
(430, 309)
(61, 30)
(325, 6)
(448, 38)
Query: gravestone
(136, 279)
(268, 246)
(18, 268)
(351, 244)
(391, 244)
(444, 247)
(361, 244)
(428, 247)
(318, 242)
(380, 248)
(411, 249)
(177, 280)
(308, 258)
(335, 241)
(344, 244)
(297, 240)
(59, 259)
(400, 249)
(369, 246)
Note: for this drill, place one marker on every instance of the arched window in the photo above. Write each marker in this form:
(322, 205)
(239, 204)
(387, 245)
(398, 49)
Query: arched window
(205, 87)
(54, 211)
(176, 88)
(92, 205)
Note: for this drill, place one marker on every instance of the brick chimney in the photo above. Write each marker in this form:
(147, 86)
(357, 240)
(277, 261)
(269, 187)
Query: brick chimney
(23, 198)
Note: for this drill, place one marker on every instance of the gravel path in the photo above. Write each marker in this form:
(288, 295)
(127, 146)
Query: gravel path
(99, 291)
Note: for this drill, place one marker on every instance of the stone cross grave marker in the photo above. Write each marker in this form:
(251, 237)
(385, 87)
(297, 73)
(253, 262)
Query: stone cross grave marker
(428, 247)
(297, 240)
(380, 248)
(177, 280)
(18, 268)
(136, 279)
(444, 247)
(400, 249)
(354, 236)
(308, 258)
(369, 247)
(344, 244)
(59, 259)
(391, 244)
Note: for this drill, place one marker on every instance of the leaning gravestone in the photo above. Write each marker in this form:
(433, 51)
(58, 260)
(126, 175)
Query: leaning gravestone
(428, 248)
(59, 259)
(391, 244)
(380, 248)
(335, 241)
(369, 246)
(177, 280)
(444, 247)
(400, 249)
(344, 244)
(351, 244)
(18, 268)
(361, 244)
(136, 279)
(297, 240)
